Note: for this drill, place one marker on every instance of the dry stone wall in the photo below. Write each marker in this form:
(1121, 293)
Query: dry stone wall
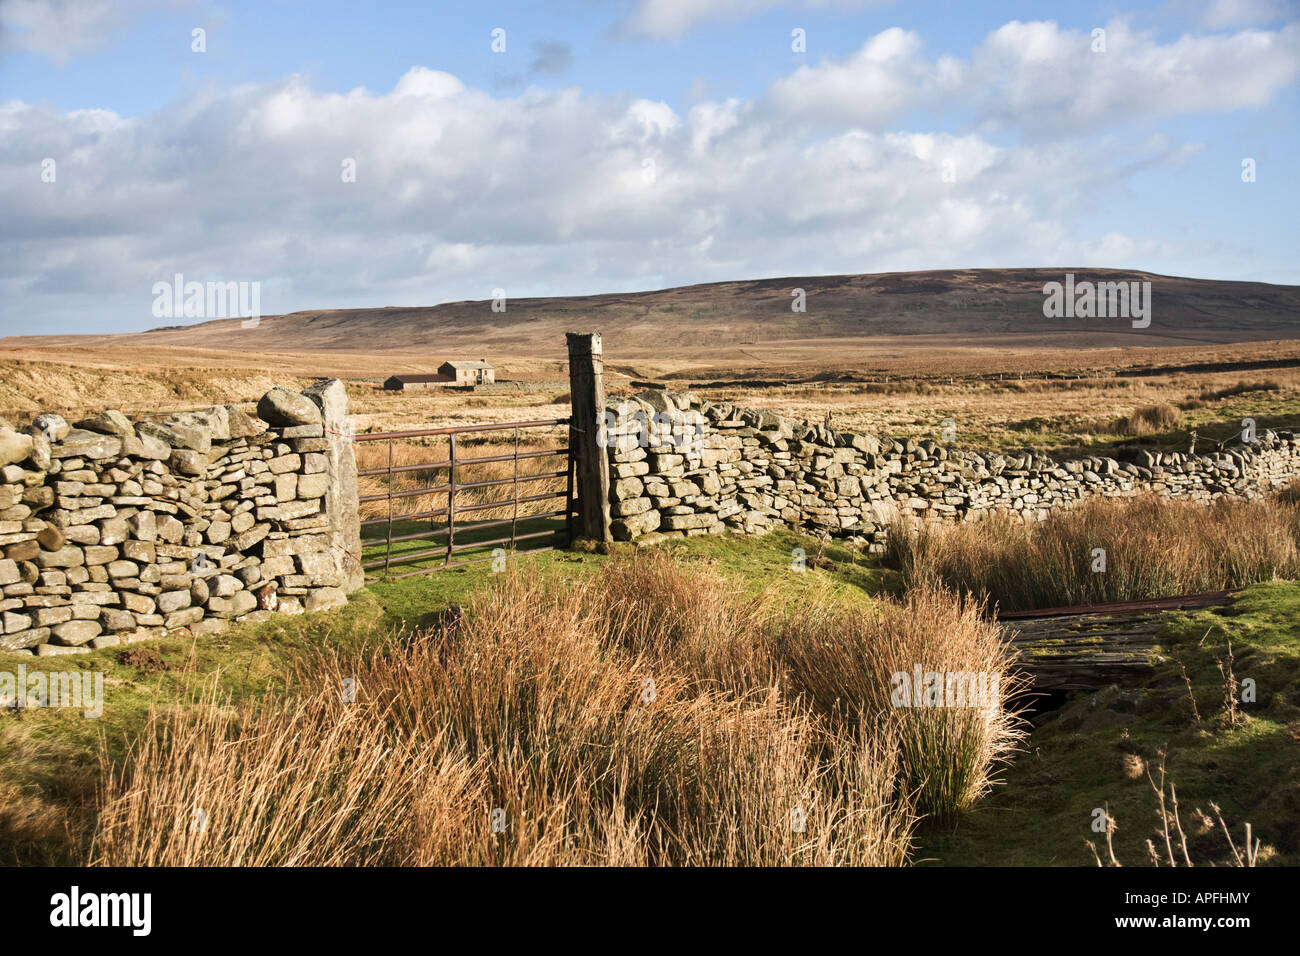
(680, 465)
(113, 530)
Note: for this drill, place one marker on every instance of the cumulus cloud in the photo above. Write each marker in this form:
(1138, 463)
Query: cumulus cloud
(1043, 80)
(1039, 74)
(458, 191)
(885, 77)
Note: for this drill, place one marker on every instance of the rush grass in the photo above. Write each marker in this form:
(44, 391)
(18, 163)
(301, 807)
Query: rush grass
(1150, 546)
(649, 714)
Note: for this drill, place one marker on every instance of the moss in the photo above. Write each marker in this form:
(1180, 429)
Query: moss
(1077, 759)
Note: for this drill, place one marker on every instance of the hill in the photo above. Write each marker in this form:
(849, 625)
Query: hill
(961, 307)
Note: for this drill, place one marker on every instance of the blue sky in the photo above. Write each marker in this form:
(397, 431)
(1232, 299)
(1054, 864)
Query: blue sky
(627, 145)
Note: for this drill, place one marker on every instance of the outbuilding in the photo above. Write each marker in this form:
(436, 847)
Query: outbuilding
(415, 383)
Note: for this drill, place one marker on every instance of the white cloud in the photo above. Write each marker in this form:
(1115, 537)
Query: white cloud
(59, 29)
(1235, 13)
(879, 82)
(458, 191)
(1044, 80)
(709, 121)
(647, 122)
(672, 18)
(1038, 75)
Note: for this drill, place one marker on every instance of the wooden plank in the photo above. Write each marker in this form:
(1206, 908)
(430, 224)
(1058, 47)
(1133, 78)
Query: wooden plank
(1085, 652)
(1122, 607)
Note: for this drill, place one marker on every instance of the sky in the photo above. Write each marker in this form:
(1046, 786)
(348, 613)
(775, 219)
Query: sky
(334, 155)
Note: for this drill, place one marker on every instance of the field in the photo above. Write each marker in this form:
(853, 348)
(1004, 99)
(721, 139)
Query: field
(715, 623)
(1047, 399)
(763, 707)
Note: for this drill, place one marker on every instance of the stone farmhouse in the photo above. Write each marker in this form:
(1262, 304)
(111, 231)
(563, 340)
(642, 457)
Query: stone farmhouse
(459, 374)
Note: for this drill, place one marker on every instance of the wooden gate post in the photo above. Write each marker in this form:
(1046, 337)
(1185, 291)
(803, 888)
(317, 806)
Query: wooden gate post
(587, 390)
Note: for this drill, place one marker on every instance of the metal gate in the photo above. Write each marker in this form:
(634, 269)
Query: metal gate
(396, 538)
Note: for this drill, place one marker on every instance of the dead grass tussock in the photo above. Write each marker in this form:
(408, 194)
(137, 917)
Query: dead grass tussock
(648, 716)
(850, 671)
(1154, 547)
(1149, 420)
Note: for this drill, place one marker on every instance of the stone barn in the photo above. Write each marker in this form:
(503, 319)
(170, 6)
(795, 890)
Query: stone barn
(413, 383)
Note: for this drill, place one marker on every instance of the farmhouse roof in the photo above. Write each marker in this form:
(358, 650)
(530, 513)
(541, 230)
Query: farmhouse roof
(481, 363)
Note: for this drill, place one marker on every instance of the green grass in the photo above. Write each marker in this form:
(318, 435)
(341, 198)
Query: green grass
(472, 544)
(755, 563)
(767, 561)
(1075, 759)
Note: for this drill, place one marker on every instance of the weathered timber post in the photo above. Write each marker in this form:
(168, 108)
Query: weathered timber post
(587, 389)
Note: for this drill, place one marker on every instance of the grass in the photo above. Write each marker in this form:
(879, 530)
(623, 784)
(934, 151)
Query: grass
(1150, 420)
(767, 681)
(617, 720)
(1151, 547)
(181, 717)
(49, 758)
(1054, 416)
(1096, 750)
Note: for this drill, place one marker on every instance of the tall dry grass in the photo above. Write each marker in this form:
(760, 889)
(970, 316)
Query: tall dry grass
(1149, 420)
(283, 782)
(647, 715)
(841, 662)
(846, 664)
(1154, 547)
